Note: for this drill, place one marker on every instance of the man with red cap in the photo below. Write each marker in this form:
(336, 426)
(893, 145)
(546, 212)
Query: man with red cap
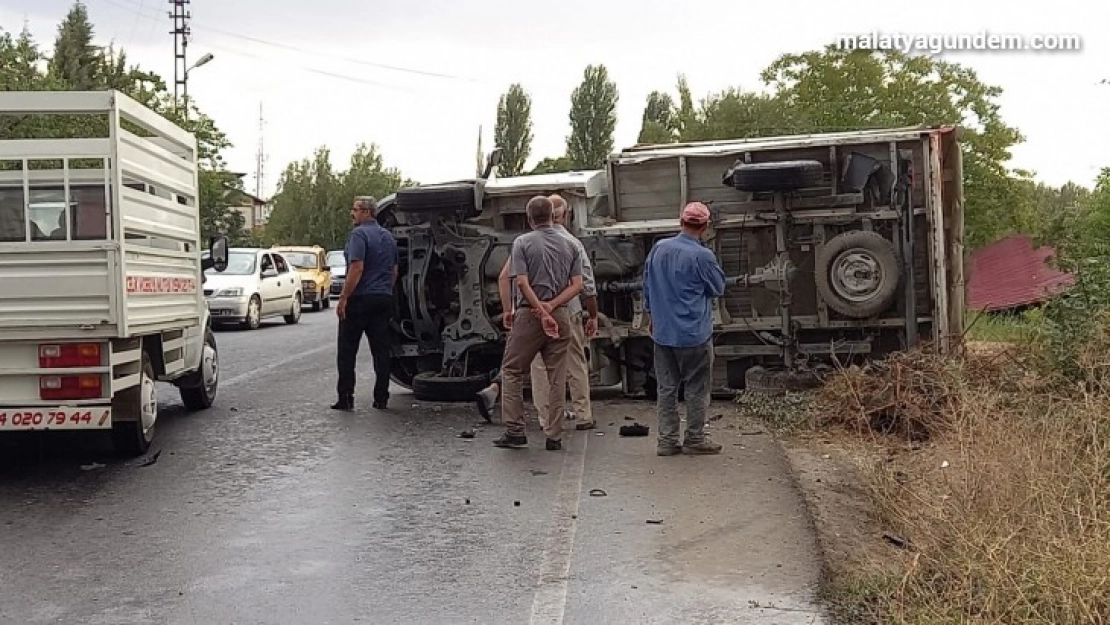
(681, 278)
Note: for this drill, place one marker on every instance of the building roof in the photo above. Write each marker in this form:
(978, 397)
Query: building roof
(1009, 273)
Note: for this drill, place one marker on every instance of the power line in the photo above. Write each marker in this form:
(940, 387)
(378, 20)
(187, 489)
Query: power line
(139, 10)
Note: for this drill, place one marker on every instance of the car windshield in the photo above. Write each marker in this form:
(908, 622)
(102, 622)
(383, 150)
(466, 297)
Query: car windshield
(238, 264)
(335, 259)
(300, 260)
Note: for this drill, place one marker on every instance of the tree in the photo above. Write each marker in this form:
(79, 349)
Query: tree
(593, 119)
(660, 120)
(313, 202)
(551, 165)
(78, 64)
(76, 61)
(837, 89)
(513, 132)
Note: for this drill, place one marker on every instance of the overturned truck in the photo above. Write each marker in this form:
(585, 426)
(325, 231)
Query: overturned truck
(836, 248)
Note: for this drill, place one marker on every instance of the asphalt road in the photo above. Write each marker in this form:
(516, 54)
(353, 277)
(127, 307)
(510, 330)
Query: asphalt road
(270, 508)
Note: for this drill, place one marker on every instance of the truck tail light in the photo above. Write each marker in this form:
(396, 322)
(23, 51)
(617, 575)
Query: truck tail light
(60, 355)
(58, 387)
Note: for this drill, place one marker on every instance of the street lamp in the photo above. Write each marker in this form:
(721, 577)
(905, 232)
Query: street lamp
(204, 60)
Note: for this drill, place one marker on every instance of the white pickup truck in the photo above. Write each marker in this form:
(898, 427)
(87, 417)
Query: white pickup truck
(101, 268)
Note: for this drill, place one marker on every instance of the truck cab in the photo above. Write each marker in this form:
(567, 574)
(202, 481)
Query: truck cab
(100, 257)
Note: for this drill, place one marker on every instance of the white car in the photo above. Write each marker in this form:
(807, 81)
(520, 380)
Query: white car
(257, 284)
(338, 263)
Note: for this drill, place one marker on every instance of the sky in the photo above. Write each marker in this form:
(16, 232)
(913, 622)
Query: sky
(418, 78)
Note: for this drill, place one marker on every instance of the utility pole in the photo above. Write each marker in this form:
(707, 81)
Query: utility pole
(260, 163)
(181, 31)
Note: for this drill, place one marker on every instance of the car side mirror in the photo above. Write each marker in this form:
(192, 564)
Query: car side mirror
(269, 273)
(217, 251)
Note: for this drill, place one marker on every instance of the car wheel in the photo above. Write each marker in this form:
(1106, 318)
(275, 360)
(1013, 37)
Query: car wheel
(858, 273)
(431, 386)
(294, 315)
(775, 176)
(138, 405)
(254, 313)
(436, 198)
(199, 390)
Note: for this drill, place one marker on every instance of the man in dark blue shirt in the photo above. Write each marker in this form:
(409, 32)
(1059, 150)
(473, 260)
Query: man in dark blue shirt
(366, 303)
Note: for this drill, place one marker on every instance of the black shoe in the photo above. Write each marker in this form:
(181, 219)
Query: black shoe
(509, 441)
(381, 404)
(345, 403)
(554, 445)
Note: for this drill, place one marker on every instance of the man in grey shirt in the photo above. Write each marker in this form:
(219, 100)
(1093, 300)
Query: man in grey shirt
(578, 372)
(547, 269)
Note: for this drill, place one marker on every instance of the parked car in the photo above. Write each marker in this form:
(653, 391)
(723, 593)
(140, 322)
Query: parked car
(311, 265)
(257, 284)
(338, 263)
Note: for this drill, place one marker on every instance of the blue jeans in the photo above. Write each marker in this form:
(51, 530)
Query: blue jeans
(692, 366)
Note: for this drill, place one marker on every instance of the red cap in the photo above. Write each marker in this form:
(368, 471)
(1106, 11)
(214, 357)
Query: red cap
(695, 213)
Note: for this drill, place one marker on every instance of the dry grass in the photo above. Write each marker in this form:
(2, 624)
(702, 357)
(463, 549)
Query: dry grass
(999, 483)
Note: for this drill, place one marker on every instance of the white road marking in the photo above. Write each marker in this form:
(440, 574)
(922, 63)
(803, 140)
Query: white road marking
(242, 377)
(550, 603)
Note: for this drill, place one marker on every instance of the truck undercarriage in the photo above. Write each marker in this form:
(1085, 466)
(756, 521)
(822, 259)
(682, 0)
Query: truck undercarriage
(836, 249)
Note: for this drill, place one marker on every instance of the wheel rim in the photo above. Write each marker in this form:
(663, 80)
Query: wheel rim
(211, 368)
(856, 275)
(252, 312)
(148, 404)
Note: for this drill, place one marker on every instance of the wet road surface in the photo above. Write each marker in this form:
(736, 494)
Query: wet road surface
(270, 508)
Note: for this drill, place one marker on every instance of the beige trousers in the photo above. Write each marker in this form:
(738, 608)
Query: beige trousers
(577, 376)
(526, 341)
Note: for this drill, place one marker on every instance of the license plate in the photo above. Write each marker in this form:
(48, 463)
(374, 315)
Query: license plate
(73, 418)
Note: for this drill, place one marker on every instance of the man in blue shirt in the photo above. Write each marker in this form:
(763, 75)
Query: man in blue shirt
(681, 278)
(366, 303)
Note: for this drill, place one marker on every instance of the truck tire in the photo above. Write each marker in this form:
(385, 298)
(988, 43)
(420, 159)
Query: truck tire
(764, 381)
(139, 405)
(777, 176)
(858, 273)
(436, 198)
(294, 315)
(431, 386)
(198, 390)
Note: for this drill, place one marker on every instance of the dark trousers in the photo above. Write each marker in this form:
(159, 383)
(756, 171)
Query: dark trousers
(368, 315)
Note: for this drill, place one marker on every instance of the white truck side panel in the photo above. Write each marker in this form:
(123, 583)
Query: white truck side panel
(58, 285)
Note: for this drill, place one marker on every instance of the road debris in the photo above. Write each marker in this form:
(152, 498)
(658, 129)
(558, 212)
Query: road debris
(635, 430)
(597, 492)
(655, 521)
(466, 434)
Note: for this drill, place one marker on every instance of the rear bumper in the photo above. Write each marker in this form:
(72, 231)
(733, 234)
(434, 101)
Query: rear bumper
(37, 418)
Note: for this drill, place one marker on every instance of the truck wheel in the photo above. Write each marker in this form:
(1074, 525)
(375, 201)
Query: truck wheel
(139, 405)
(430, 386)
(858, 273)
(254, 314)
(436, 198)
(198, 391)
(774, 382)
(294, 315)
(776, 176)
